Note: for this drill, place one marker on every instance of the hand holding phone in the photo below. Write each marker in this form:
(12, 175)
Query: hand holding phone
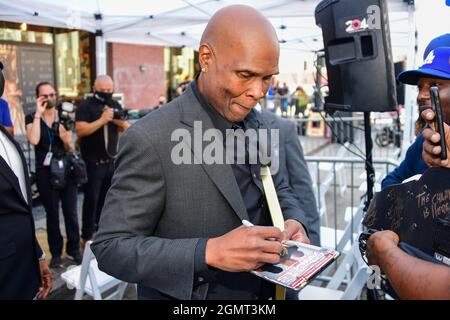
(438, 119)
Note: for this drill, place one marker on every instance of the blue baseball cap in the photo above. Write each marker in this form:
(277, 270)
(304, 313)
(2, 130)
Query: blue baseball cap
(436, 65)
(441, 41)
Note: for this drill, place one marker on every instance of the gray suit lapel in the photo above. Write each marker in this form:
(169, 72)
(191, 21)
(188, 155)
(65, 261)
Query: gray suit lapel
(221, 174)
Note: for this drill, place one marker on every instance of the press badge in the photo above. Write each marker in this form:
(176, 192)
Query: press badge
(48, 158)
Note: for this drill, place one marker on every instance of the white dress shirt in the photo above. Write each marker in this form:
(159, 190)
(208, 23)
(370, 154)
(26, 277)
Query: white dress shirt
(10, 154)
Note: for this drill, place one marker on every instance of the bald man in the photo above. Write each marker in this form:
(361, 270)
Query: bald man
(98, 132)
(172, 223)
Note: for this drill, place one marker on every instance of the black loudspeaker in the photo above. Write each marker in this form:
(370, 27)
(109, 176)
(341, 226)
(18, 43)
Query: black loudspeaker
(358, 55)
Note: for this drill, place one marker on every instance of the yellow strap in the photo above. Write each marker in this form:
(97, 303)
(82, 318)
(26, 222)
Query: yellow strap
(275, 213)
(272, 198)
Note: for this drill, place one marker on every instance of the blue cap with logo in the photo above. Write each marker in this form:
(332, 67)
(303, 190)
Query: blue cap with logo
(441, 41)
(436, 65)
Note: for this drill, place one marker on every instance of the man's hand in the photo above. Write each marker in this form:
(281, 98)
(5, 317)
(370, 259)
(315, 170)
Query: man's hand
(41, 104)
(46, 280)
(244, 249)
(107, 115)
(65, 135)
(431, 148)
(379, 244)
(293, 230)
(122, 124)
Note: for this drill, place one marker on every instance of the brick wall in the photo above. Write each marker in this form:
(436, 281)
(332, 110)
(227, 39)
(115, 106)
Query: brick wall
(143, 85)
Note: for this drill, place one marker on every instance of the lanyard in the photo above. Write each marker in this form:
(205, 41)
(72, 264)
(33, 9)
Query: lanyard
(50, 138)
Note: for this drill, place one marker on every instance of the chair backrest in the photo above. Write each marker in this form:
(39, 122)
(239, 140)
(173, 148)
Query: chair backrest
(88, 256)
(352, 260)
(88, 279)
(99, 281)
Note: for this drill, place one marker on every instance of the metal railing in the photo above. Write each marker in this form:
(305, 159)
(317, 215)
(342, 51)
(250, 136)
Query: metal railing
(349, 175)
(338, 184)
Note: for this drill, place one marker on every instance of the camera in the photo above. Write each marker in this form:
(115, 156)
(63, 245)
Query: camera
(66, 116)
(120, 114)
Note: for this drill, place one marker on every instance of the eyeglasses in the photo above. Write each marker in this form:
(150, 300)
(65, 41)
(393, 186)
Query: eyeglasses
(46, 96)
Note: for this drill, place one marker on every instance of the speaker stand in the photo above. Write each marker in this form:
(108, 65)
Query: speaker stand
(372, 294)
(369, 163)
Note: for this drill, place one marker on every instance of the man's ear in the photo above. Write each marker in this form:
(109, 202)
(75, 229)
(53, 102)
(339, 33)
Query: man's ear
(205, 56)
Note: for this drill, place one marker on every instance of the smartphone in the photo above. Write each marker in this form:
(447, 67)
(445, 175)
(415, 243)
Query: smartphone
(438, 119)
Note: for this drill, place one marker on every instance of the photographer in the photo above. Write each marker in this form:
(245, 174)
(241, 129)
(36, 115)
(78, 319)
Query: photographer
(53, 144)
(99, 120)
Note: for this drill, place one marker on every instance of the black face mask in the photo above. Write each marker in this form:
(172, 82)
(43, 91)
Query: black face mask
(51, 103)
(104, 97)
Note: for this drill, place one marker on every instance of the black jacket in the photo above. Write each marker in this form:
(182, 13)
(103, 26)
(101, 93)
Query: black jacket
(19, 249)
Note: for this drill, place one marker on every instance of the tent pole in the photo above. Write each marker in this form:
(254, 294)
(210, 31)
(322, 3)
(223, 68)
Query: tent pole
(410, 102)
(100, 55)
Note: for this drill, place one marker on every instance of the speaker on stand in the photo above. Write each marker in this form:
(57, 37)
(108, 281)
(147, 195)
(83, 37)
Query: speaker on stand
(359, 64)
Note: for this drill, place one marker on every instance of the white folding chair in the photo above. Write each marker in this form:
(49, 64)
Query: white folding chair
(320, 191)
(340, 240)
(338, 169)
(88, 279)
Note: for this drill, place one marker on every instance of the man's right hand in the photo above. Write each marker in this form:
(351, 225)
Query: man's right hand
(431, 148)
(244, 249)
(41, 104)
(107, 115)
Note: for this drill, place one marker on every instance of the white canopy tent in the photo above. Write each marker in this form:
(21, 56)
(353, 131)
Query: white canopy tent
(181, 23)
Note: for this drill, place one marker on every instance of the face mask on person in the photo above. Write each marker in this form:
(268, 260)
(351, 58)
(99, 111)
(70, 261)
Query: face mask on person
(104, 97)
(51, 103)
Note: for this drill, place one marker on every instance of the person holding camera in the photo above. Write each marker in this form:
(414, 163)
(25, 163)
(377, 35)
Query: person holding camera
(53, 145)
(98, 122)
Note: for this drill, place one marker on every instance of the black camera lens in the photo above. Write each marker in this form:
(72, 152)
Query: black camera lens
(120, 114)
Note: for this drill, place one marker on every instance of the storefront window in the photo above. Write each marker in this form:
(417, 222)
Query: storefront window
(26, 36)
(40, 53)
(72, 63)
(180, 67)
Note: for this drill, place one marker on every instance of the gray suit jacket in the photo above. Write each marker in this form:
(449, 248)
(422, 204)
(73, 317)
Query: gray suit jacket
(294, 169)
(156, 212)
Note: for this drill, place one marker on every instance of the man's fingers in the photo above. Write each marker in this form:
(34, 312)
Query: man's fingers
(272, 246)
(290, 230)
(431, 135)
(268, 232)
(300, 237)
(428, 115)
(431, 148)
(269, 258)
(430, 159)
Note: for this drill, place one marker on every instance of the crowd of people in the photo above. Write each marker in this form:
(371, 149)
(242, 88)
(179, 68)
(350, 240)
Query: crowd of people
(176, 229)
(280, 98)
